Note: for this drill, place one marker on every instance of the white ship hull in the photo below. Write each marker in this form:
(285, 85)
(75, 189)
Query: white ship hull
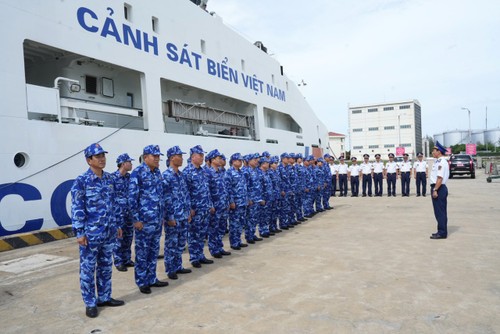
(165, 72)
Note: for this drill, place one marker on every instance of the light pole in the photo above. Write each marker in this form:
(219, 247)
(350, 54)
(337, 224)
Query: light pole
(470, 133)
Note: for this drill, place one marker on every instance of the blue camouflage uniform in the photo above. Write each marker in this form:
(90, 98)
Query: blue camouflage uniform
(93, 215)
(123, 252)
(237, 194)
(327, 180)
(220, 200)
(147, 205)
(286, 194)
(254, 187)
(178, 208)
(309, 187)
(201, 203)
(292, 202)
(299, 189)
(268, 196)
(319, 179)
(273, 173)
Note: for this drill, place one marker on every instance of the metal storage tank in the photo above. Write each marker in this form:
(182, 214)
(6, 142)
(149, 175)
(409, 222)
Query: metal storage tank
(478, 137)
(492, 136)
(455, 137)
(439, 137)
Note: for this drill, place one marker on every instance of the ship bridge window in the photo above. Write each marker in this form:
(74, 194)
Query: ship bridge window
(278, 120)
(127, 11)
(243, 65)
(203, 46)
(154, 24)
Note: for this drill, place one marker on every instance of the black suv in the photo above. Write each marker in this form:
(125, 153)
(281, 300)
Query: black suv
(461, 164)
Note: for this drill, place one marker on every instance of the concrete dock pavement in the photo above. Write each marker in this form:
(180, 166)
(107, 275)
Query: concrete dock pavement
(368, 266)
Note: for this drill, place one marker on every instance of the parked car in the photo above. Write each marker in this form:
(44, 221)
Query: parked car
(462, 164)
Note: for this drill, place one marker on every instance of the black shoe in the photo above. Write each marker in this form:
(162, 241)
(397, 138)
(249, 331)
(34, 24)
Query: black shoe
(196, 264)
(291, 226)
(112, 303)
(424, 195)
(159, 284)
(370, 195)
(206, 261)
(437, 236)
(130, 264)
(217, 256)
(284, 227)
(364, 195)
(225, 253)
(328, 208)
(255, 238)
(145, 289)
(251, 242)
(264, 235)
(298, 222)
(184, 271)
(91, 312)
(236, 247)
(418, 195)
(278, 231)
(302, 219)
(243, 245)
(172, 276)
(121, 267)
(272, 233)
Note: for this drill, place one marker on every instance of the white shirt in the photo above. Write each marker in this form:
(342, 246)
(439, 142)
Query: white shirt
(378, 167)
(440, 168)
(334, 168)
(405, 166)
(342, 168)
(391, 167)
(420, 166)
(354, 169)
(366, 168)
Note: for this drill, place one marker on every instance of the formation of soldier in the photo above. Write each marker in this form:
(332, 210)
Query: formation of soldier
(257, 192)
(374, 172)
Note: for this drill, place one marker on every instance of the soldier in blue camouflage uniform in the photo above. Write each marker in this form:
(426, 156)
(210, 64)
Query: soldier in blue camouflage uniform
(256, 200)
(147, 206)
(178, 213)
(238, 200)
(267, 192)
(220, 199)
(201, 206)
(292, 174)
(122, 252)
(273, 173)
(300, 188)
(327, 180)
(286, 193)
(318, 177)
(309, 187)
(93, 215)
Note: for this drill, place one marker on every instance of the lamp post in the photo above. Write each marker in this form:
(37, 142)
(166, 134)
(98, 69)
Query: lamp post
(470, 133)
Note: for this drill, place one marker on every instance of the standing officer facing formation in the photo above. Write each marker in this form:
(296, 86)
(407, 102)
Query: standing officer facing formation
(93, 215)
(378, 175)
(342, 171)
(367, 174)
(391, 172)
(354, 171)
(439, 176)
(405, 172)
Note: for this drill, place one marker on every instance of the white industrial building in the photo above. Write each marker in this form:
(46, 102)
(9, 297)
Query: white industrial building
(381, 128)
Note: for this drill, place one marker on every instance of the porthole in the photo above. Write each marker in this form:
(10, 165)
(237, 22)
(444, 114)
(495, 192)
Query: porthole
(21, 159)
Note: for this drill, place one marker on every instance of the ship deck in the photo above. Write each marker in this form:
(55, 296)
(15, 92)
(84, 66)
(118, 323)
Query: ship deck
(366, 267)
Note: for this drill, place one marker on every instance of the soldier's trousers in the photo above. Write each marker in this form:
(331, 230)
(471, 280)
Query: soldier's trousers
(217, 230)
(309, 202)
(175, 242)
(236, 220)
(265, 219)
(354, 185)
(343, 184)
(123, 247)
(253, 218)
(325, 194)
(391, 184)
(273, 224)
(197, 233)
(421, 183)
(283, 210)
(96, 265)
(299, 204)
(147, 247)
(367, 183)
(377, 180)
(405, 183)
(334, 184)
(318, 199)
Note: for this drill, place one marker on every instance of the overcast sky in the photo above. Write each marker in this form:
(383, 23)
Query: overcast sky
(444, 53)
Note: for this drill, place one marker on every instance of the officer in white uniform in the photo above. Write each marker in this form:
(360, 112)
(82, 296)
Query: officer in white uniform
(420, 174)
(342, 177)
(391, 172)
(378, 175)
(405, 172)
(367, 175)
(354, 171)
(439, 176)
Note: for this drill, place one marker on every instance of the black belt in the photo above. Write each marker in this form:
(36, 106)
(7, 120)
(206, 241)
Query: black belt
(432, 185)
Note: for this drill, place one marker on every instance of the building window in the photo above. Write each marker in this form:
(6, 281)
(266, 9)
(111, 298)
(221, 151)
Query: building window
(358, 111)
(372, 109)
(388, 108)
(406, 106)
(388, 145)
(390, 127)
(406, 126)
(373, 146)
(357, 130)
(406, 145)
(373, 129)
(357, 147)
